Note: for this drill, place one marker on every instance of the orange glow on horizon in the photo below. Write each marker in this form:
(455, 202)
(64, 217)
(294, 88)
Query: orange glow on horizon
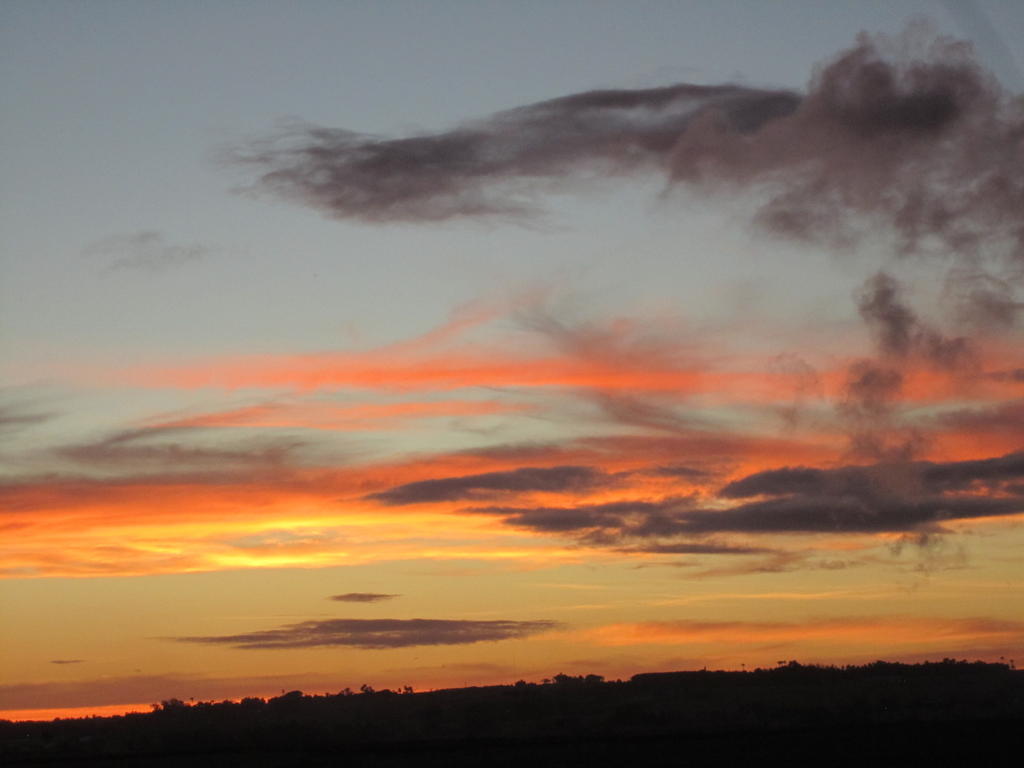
(867, 631)
(67, 713)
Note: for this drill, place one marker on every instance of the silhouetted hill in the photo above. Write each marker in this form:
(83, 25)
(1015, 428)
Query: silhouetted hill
(952, 712)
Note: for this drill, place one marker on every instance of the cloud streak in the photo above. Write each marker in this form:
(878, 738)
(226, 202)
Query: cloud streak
(363, 597)
(325, 416)
(525, 479)
(376, 634)
(881, 479)
(16, 418)
(150, 447)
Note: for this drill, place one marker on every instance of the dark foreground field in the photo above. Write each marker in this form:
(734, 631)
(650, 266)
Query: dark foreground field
(948, 713)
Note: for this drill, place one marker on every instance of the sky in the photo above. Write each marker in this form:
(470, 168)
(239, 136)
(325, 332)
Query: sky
(465, 342)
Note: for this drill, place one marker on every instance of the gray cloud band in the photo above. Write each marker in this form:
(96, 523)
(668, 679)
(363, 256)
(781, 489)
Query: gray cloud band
(378, 633)
(490, 167)
(912, 496)
(363, 597)
(551, 479)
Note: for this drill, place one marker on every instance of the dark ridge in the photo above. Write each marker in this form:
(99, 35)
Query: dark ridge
(940, 713)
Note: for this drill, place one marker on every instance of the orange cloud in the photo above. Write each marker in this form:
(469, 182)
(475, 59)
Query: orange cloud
(168, 515)
(449, 371)
(175, 519)
(301, 519)
(625, 356)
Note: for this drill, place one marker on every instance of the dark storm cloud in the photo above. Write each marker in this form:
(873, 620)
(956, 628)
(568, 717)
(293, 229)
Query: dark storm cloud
(378, 633)
(910, 132)
(487, 168)
(551, 479)
(363, 597)
(67, 661)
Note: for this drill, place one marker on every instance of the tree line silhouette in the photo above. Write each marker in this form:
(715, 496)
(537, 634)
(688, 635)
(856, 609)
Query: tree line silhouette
(946, 708)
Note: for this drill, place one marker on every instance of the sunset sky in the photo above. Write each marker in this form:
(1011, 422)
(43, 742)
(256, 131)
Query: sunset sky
(454, 343)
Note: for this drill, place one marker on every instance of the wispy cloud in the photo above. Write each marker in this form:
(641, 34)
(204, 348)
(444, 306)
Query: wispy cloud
(326, 416)
(694, 548)
(899, 334)
(175, 448)
(16, 417)
(905, 345)
(146, 251)
(1006, 417)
